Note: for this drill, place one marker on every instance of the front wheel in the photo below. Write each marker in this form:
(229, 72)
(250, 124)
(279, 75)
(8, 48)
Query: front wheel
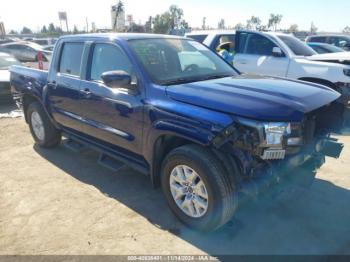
(43, 131)
(197, 188)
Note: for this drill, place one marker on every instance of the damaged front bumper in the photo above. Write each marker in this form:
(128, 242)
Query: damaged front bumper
(344, 90)
(314, 154)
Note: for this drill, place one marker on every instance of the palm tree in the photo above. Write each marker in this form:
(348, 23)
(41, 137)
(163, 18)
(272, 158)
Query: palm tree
(118, 9)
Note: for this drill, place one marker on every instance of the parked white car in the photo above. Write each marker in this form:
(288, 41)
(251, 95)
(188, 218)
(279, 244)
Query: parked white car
(283, 55)
(6, 61)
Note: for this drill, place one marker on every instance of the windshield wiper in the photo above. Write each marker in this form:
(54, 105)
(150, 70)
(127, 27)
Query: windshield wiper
(214, 77)
(190, 80)
(178, 81)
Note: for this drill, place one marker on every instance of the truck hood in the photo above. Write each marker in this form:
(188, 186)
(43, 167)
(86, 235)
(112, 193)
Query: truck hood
(342, 57)
(255, 97)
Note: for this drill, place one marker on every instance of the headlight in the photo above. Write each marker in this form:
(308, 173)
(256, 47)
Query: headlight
(347, 72)
(274, 133)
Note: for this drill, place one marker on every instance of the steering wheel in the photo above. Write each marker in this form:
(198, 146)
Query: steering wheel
(191, 68)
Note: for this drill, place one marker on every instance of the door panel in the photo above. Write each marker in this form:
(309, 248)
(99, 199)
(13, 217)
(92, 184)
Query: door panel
(254, 56)
(113, 115)
(64, 87)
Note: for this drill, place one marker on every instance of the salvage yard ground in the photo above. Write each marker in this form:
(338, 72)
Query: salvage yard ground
(59, 202)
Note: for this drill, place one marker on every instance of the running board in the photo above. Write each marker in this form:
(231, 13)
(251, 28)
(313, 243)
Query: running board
(110, 162)
(74, 146)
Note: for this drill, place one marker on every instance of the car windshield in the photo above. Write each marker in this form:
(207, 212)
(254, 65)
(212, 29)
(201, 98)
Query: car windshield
(174, 61)
(6, 61)
(296, 46)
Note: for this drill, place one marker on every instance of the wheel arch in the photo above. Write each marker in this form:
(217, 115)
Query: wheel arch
(320, 81)
(164, 144)
(27, 99)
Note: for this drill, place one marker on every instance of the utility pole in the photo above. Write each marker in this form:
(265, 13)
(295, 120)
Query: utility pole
(87, 25)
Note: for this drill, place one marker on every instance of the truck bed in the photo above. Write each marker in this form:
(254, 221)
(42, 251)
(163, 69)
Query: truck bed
(27, 80)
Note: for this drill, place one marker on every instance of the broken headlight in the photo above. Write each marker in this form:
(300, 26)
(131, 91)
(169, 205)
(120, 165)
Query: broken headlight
(274, 133)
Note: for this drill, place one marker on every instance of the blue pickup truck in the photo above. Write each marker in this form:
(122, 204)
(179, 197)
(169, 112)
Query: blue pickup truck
(175, 111)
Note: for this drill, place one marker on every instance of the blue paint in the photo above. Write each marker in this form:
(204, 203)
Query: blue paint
(131, 123)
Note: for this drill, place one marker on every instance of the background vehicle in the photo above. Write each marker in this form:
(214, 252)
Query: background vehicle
(172, 109)
(49, 48)
(322, 48)
(339, 40)
(44, 41)
(278, 54)
(6, 61)
(25, 51)
(213, 38)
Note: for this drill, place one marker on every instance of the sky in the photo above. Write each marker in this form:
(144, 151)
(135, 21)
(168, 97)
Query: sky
(330, 16)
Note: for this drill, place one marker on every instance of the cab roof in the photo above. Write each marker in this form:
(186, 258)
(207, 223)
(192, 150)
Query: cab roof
(123, 36)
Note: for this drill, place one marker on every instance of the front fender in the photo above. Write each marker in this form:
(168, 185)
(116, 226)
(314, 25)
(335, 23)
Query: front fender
(189, 122)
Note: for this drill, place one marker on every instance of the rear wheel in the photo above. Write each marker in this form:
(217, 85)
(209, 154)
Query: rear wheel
(43, 131)
(197, 189)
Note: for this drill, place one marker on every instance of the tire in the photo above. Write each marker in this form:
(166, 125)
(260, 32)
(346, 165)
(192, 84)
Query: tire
(221, 197)
(49, 136)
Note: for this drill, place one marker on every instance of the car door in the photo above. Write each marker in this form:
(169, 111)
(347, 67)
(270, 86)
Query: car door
(64, 85)
(113, 115)
(254, 55)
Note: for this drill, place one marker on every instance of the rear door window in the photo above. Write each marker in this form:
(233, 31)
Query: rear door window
(70, 62)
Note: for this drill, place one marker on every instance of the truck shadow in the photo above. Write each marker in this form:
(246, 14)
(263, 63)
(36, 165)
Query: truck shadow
(300, 215)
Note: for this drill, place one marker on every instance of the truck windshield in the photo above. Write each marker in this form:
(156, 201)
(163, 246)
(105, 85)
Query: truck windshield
(175, 61)
(296, 46)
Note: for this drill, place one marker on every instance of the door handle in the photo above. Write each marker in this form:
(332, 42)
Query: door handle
(242, 62)
(86, 92)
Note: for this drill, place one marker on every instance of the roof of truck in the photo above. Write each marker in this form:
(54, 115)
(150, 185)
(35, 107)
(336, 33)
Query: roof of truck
(124, 36)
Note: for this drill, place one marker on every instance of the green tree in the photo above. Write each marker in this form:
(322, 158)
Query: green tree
(75, 30)
(293, 28)
(254, 23)
(162, 23)
(239, 26)
(274, 21)
(44, 30)
(148, 25)
(176, 15)
(313, 28)
(51, 29)
(346, 30)
(221, 24)
(13, 32)
(170, 20)
(26, 30)
(135, 28)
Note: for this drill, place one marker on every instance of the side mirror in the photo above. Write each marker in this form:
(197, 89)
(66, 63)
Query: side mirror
(116, 79)
(277, 52)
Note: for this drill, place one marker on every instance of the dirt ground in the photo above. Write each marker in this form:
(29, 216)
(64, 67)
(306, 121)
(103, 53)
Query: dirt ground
(59, 202)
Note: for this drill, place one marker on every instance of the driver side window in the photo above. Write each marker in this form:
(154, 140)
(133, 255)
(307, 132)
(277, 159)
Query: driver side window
(258, 45)
(107, 57)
